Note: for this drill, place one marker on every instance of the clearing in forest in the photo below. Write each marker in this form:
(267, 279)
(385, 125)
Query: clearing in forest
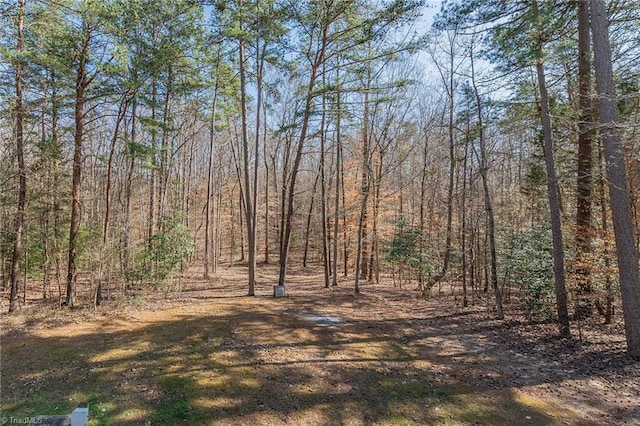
(318, 357)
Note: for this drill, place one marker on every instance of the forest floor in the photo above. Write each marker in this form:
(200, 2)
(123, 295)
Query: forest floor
(211, 356)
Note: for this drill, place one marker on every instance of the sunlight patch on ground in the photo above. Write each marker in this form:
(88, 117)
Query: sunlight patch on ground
(116, 354)
(551, 409)
(320, 415)
(249, 382)
(131, 415)
(351, 414)
(68, 331)
(207, 403)
(367, 350)
(211, 382)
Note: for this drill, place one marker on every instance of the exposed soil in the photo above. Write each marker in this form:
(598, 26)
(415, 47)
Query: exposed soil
(320, 356)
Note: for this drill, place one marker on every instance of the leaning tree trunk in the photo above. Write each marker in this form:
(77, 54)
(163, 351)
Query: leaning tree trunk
(554, 206)
(451, 127)
(621, 212)
(488, 205)
(287, 222)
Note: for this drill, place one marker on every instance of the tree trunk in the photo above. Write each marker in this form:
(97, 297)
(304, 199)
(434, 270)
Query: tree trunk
(463, 220)
(345, 242)
(307, 229)
(604, 233)
(374, 262)
(450, 82)
(154, 162)
(218, 228)
(488, 205)
(336, 199)
(122, 110)
(361, 243)
(163, 171)
(249, 198)
(290, 194)
(82, 81)
(554, 200)
(128, 193)
(207, 237)
(423, 200)
(241, 219)
(232, 248)
(266, 201)
(360, 237)
(323, 191)
(583, 194)
(621, 212)
(253, 243)
(22, 185)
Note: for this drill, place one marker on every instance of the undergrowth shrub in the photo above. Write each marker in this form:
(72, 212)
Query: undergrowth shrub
(408, 253)
(158, 260)
(529, 262)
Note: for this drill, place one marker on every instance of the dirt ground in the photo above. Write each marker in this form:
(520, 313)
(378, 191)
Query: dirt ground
(211, 356)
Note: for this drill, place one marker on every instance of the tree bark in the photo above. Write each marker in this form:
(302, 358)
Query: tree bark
(164, 167)
(307, 229)
(450, 83)
(423, 201)
(345, 242)
(154, 162)
(336, 199)
(22, 174)
(463, 219)
(621, 212)
(122, 110)
(361, 243)
(584, 173)
(82, 82)
(290, 194)
(554, 203)
(128, 193)
(604, 233)
(207, 238)
(266, 192)
(249, 198)
(323, 192)
(488, 205)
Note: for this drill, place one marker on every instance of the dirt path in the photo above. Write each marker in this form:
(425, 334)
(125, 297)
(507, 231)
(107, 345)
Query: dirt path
(320, 356)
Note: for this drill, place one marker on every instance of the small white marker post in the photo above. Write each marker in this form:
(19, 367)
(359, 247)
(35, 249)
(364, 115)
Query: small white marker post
(278, 291)
(80, 416)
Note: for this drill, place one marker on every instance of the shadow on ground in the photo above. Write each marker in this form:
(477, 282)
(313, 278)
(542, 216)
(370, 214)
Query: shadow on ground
(232, 360)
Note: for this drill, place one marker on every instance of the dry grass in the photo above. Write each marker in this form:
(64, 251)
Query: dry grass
(318, 357)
